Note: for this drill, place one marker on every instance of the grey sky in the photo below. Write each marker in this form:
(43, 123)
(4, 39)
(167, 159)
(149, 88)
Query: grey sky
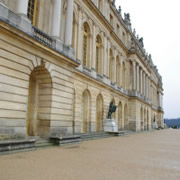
(157, 21)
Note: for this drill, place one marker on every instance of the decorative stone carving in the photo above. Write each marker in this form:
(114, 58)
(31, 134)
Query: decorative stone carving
(127, 20)
(119, 10)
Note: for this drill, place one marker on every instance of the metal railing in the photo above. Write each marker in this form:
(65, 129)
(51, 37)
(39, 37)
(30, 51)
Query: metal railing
(43, 37)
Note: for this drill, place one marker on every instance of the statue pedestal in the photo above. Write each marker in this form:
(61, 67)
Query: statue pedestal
(155, 126)
(110, 125)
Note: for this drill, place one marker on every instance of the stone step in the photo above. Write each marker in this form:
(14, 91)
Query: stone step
(66, 140)
(15, 145)
(92, 136)
(43, 143)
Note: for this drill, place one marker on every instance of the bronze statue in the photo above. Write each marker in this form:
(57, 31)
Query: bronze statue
(112, 108)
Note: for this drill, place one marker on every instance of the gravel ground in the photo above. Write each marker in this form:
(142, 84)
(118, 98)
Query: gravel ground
(151, 155)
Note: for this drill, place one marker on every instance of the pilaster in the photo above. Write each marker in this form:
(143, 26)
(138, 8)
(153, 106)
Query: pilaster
(69, 23)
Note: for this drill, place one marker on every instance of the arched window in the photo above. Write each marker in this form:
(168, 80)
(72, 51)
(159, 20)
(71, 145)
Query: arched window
(99, 5)
(74, 35)
(118, 68)
(85, 44)
(111, 65)
(98, 54)
(130, 75)
(124, 76)
(32, 11)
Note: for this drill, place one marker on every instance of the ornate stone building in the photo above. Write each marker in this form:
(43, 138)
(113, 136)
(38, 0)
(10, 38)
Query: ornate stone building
(63, 61)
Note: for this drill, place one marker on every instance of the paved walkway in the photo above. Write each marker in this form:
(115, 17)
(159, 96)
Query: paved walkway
(143, 156)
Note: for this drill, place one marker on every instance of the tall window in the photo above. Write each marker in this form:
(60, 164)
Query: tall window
(118, 66)
(111, 20)
(118, 29)
(124, 76)
(85, 44)
(32, 11)
(111, 65)
(124, 37)
(99, 5)
(98, 54)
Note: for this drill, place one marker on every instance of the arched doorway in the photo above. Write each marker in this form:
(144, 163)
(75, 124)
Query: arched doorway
(145, 120)
(126, 123)
(120, 116)
(86, 105)
(141, 120)
(39, 104)
(99, 114)
(148, 120)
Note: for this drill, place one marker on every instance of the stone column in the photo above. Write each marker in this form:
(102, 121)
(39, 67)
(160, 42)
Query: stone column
(21, 7)
(56, 19)
(69, 23)
(137, 78)
(80, 36)
(134, 75)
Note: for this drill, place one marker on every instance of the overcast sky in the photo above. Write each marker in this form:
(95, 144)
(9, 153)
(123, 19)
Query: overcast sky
(158, 22)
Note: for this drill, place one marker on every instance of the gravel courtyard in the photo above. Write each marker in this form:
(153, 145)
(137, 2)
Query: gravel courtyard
(141, 156)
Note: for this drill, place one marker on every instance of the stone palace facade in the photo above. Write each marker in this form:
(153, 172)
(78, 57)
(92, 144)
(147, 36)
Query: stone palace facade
(63, 61)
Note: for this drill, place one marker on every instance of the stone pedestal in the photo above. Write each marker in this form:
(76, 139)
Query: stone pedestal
(155, 126)
(110, 125)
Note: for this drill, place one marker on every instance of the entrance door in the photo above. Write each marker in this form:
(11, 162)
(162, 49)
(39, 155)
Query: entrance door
(39, 104)
(99, 114)
(33, 106)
